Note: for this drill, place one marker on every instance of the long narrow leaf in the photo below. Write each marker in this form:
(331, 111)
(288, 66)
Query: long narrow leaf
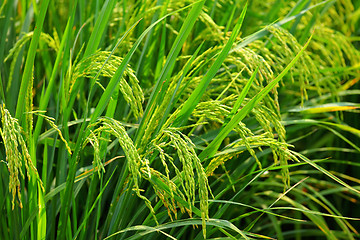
(211, 149)
(30, 60)
(155, 96)
(194, 98)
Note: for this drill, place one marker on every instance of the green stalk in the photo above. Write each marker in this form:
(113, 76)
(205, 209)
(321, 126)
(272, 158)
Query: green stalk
(24, 89)
(27, 75)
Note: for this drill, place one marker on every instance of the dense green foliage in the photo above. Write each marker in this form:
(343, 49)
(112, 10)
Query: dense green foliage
(179, 119)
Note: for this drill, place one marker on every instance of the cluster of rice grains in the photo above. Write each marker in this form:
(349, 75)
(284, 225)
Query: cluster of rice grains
(16, 153)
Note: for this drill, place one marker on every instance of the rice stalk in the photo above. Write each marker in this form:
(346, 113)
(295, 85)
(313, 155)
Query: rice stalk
(17, 154)
(185, 151)
(137, 166)
(51, 122)
(129, 84)
(45, 38)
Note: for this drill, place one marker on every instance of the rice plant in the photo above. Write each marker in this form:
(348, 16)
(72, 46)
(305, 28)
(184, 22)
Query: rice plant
(187, 119)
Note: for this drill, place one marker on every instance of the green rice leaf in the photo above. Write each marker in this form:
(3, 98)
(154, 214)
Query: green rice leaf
(194, 98)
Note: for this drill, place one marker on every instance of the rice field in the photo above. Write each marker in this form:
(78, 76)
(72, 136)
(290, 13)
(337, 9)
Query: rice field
(194, 119)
